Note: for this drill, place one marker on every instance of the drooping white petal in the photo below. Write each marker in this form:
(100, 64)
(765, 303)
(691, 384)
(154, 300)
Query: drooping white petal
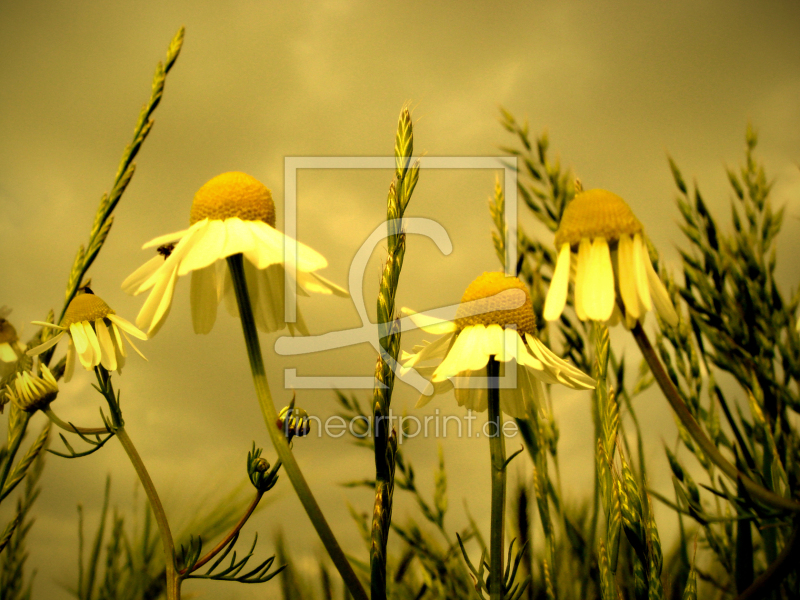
(584, 253)
(428, 323)
(206, 249)
(91, 335)
(79, 337)
(268, 296)
(130, 341)
(598, 291)
(156, 308)
(640, 257)
(317, 284)
(436, 349)
(47, 345)
(512, 400)
(203, 298)
(451, 365)
(50, 325)
(660, 296)
(307, 259)
(127, 326)
(474, 356)
(567, 373)
(108, 358)
(179, 252)
(557, 294)
(169, 238)
(133, 282)
(239, 237)
(493, 341)
(510, 345)
(299, 326)
(626, 266)
(267, 246)
(118, 342)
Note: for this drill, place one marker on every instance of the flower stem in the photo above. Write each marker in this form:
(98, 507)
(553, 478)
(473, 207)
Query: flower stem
(706, 445)
(228, 538)
(57, 421)
(279, 441)
(173, 581)
(497, 448)
(12, 451)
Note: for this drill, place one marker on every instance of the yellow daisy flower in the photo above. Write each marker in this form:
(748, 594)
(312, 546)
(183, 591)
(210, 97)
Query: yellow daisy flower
(95, 335)
(495, 318)
(608, 240)
(31, 393)
(233, 213)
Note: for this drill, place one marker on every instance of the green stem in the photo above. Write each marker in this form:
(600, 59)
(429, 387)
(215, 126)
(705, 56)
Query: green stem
(497, 448)
(706, 445)
(228, 538)
(279, 441)
(173, 582)
(58, 422)
(12, 451)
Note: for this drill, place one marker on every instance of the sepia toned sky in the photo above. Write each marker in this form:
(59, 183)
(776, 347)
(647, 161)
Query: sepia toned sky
(618, 85)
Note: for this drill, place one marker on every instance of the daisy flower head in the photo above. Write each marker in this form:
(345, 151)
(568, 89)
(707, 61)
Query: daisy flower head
(494, 319)
(95, 335)
(231, 214)
(611, 258)
(31, 393)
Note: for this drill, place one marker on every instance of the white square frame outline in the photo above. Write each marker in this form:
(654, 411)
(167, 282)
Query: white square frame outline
(293, 164)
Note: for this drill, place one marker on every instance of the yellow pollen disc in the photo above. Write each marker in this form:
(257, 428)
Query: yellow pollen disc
(232, 195)
(85, 307)
(485, 289)
(593, 214)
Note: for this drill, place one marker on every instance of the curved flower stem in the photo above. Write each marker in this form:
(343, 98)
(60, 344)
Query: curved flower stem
(227, 539)
(290, 465)
(673, 397)
(58, 422)
(173, 581)
(497, 448)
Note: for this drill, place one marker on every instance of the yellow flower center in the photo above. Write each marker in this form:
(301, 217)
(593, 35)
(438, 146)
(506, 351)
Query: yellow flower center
(593, 214)
(503, 310)
(85, 307)
(232, 195)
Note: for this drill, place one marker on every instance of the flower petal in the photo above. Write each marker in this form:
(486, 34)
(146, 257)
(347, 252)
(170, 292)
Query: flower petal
(133, 283)
(127, 326)
(660, 296)
(206, 249)
(493, 340)
(239, 237)
(7, 353)
(567, 373)
(108, 358)
(584, 253)
(436, 349)
(130, 341)
(169, 238)
(598, 289)
(475, 357)
(312, 282)
(640, 258)
(121, 354)
(452, 364)
(626, 267)
(428, 323)
(557, 294)
(268, 244)
(79, 337)
(156, 308)
(203, 298)
(46, 345)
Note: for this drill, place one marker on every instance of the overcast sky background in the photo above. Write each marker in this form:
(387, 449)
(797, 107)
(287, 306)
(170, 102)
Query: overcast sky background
(618, 85)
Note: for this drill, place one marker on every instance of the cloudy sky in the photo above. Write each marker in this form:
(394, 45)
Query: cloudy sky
(618, 86)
